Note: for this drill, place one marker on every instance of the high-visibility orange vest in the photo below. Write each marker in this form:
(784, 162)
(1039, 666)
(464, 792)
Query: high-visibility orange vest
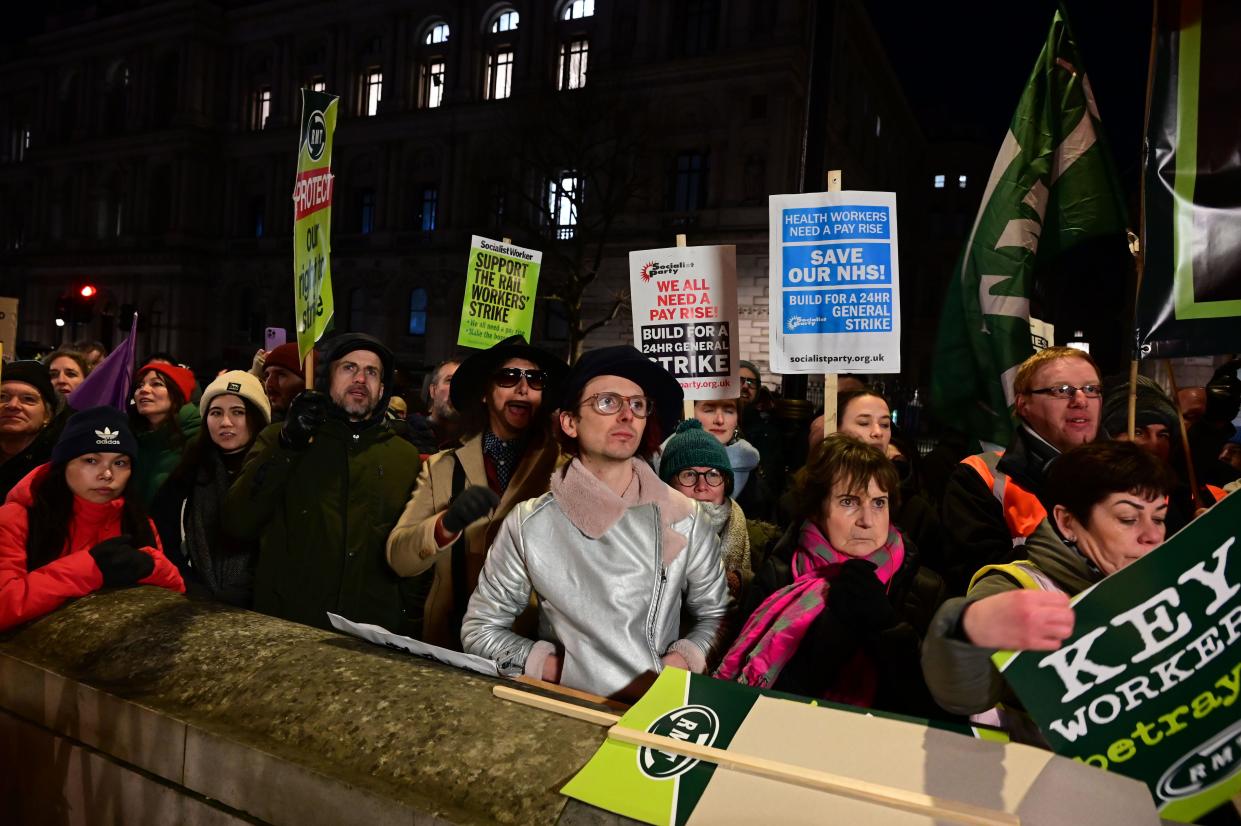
(1022, 510)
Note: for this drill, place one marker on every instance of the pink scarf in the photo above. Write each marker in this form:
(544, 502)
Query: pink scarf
(776, 629)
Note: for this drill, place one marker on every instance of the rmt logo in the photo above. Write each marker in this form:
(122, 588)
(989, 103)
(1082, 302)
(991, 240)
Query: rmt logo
(316, 135)
(1203, 767)
(694, 724)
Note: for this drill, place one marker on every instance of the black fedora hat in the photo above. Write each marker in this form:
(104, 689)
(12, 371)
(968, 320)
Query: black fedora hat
(469, 383)
(625, 361)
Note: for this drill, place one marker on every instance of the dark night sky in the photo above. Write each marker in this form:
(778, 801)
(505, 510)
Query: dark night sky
(963, 63)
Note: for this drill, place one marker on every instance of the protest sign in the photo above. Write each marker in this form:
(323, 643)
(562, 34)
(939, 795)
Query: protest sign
(684, 303)
(312, 220)
(1148, 684)
(382, 636)
(1189, 301)
(500, 286)
(8, 326)
(835, 283)
(874, 749)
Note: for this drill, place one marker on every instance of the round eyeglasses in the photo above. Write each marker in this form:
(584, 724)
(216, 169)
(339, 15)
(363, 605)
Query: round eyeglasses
(689, 477)
(609, 404)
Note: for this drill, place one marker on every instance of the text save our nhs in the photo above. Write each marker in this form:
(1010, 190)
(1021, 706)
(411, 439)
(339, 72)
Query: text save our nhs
(828, 253)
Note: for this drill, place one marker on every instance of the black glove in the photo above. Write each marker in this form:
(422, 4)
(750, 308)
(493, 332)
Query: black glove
(858, 599)
(470, 504)
(120, 562)
(307, 413)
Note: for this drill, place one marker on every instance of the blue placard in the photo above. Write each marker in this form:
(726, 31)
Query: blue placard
(851, 310)
(836, 223)
(827, 265)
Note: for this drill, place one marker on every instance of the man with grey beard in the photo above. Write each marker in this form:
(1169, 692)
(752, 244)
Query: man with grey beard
(440, 429)
(322, 489)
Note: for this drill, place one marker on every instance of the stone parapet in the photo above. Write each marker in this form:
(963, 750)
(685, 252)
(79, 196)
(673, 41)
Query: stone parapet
(261, 719)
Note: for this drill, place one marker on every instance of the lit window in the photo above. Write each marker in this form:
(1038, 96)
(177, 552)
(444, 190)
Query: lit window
(262, 108)
(572, 74)
(318, 84)
(499, 75)
(506, 22)
(366, 211)
(562, 195)
(578, 9)
(962, 181)
(427, 208)
(374, 92)
(418, 311)
(431, 91)
(939, 181)
(437, 34)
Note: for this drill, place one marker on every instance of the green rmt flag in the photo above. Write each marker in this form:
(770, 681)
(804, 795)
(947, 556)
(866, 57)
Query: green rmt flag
(1053, 185)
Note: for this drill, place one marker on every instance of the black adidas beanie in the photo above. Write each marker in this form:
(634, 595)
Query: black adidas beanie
(95, 430)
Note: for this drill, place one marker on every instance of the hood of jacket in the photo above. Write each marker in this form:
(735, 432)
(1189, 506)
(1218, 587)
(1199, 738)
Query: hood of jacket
(1053, 557)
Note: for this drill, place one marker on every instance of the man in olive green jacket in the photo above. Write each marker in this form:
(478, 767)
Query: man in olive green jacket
(321, 491)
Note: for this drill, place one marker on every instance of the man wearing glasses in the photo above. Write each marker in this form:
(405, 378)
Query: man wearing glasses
(993, 500)
(612, 553)
(320, 491)
(504, 396)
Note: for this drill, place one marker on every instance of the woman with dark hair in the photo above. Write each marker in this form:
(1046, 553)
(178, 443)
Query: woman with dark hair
(68, 528)
(841, 601)
(866, 416)
(163, 421)
(188, 508)
(1109, 503)
(67, 368)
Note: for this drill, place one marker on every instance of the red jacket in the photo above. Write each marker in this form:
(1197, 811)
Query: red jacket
(27, 595)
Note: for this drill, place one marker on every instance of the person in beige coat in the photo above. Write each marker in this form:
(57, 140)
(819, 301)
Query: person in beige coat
(505, 398)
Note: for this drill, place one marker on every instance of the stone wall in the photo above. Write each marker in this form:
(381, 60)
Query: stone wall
(140, 706)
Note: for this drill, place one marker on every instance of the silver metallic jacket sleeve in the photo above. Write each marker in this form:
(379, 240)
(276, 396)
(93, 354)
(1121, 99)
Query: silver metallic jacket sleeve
(706, 589)
(503, 592)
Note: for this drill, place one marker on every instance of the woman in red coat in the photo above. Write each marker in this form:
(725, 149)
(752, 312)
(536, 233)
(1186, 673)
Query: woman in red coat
(67, 529)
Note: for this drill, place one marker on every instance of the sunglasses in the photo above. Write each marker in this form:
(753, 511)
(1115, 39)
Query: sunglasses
(510, 376)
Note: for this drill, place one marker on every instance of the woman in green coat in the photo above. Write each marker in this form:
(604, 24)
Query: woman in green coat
(164, 423)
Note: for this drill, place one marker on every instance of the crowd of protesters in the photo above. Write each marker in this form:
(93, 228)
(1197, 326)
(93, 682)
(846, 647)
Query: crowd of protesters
(565, 522)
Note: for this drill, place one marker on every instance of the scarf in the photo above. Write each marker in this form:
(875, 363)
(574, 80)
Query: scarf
(773, 633)
(594, 508)
(225, 567)
(504, 455)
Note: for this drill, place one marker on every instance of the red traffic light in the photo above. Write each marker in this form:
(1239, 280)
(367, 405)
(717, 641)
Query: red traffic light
(87, 291)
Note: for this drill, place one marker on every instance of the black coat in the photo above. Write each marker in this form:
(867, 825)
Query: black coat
(975, 533)
(830, 644)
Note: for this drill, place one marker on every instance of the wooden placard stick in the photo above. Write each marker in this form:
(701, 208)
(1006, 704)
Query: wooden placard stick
(830, 379)
(577, 694)
(687, 411)
(308, 369)
(890, 796)
(527, 698)
(1189, 459)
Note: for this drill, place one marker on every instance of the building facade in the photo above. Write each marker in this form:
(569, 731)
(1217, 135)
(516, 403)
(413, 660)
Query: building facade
(150, 153)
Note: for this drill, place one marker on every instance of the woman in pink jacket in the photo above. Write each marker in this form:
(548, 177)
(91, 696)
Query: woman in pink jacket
(67, 529)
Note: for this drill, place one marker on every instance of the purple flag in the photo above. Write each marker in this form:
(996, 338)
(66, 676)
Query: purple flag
(111, 379)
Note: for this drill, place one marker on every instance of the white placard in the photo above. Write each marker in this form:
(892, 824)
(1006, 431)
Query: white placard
(384, 637)
(684, 304)
(835, 283)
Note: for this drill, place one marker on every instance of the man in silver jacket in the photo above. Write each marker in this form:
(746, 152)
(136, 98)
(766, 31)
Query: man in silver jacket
(612, 553)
